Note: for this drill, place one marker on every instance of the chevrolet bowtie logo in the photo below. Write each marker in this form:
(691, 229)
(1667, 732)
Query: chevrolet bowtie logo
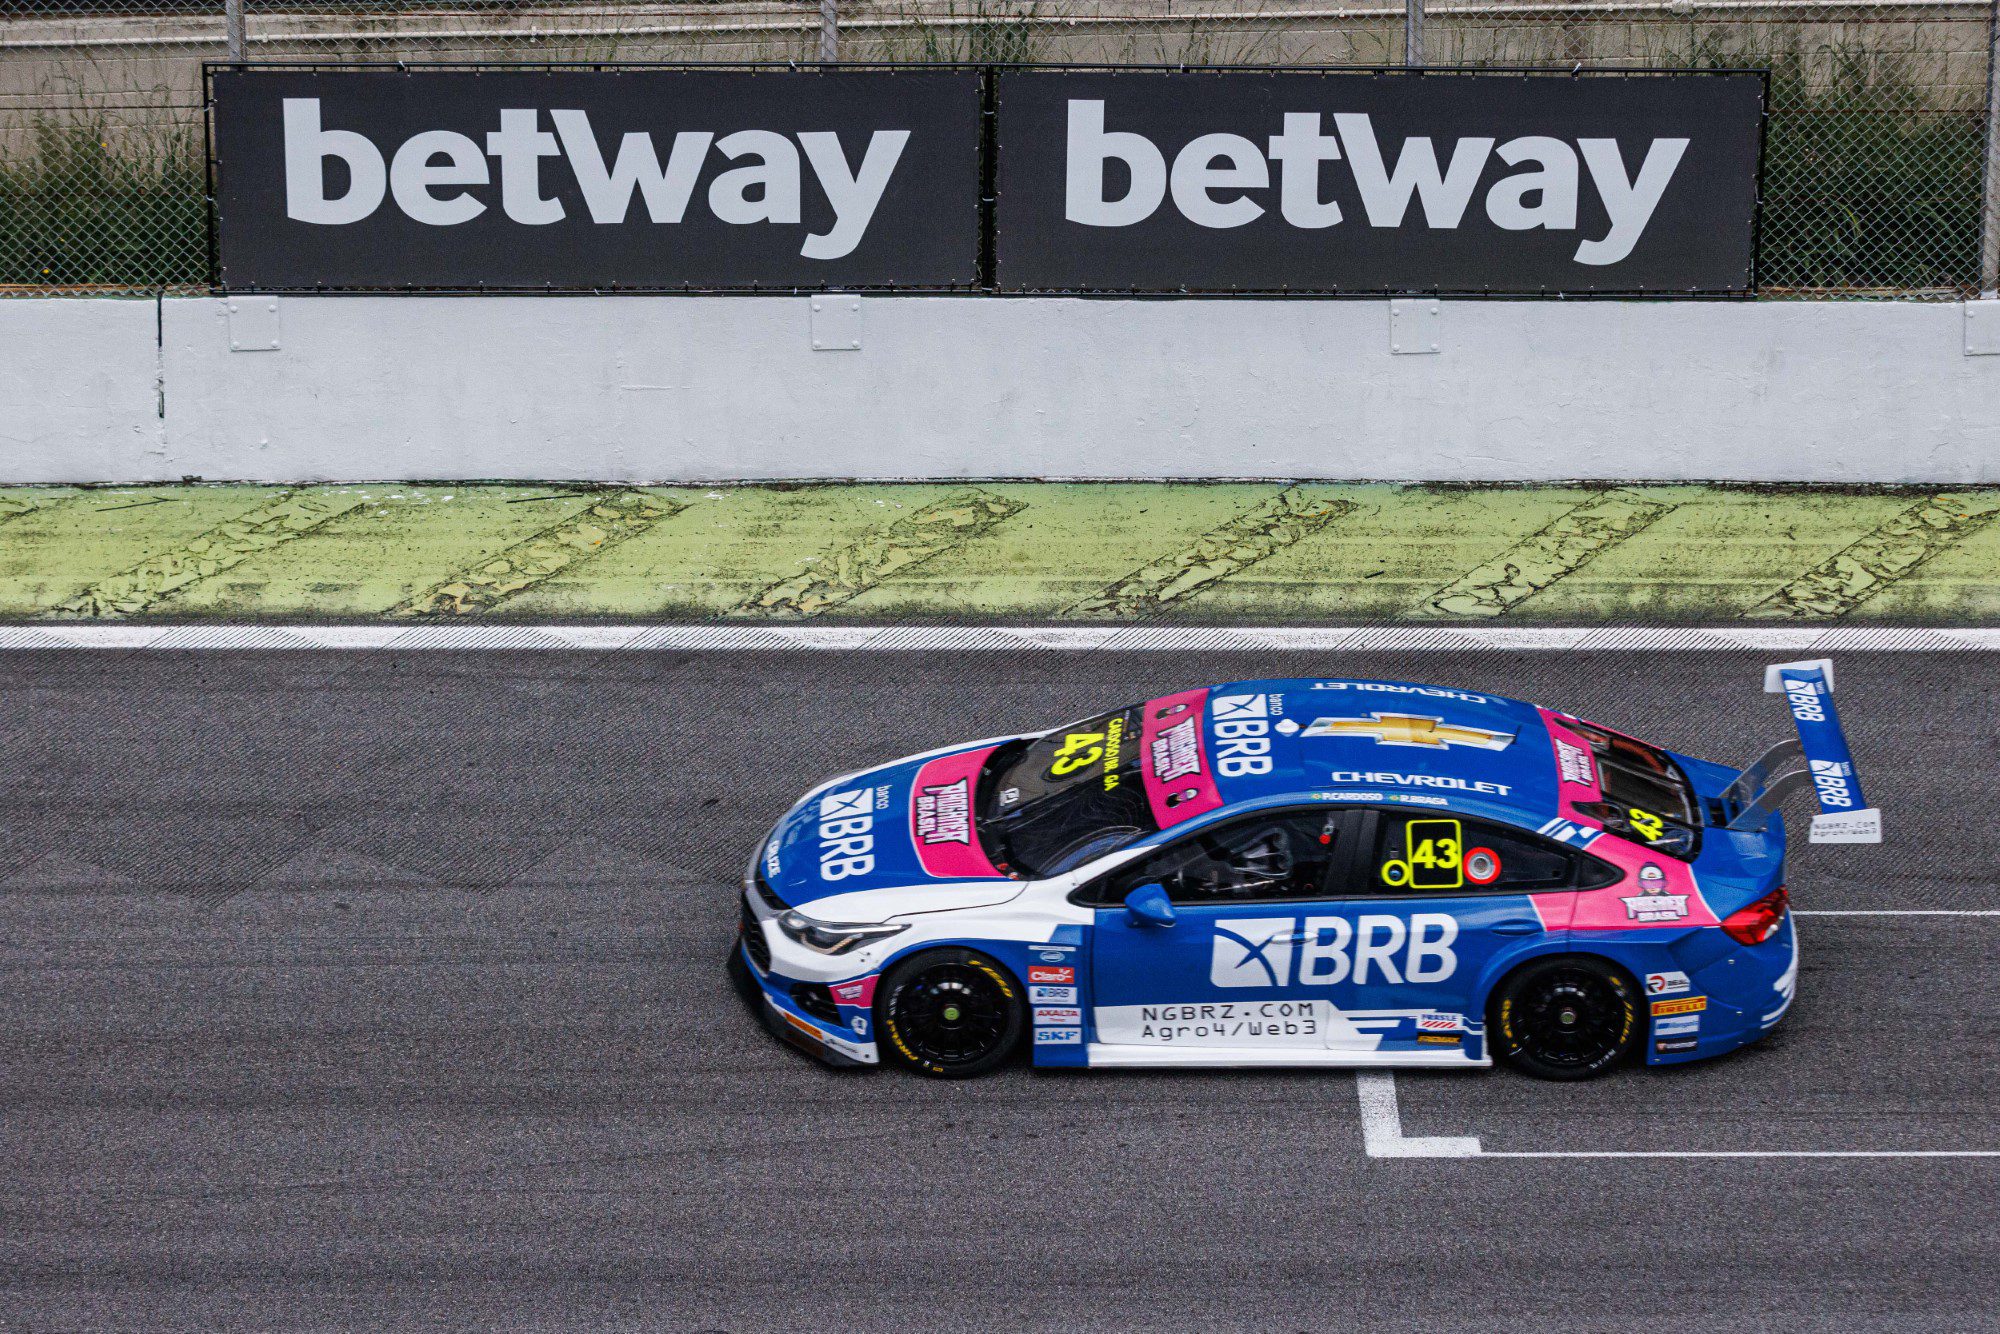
(1409, 729)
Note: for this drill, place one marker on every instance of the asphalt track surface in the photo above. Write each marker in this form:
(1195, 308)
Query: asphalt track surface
(377, 990)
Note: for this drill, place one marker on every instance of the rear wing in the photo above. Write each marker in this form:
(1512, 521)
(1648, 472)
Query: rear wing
(1844, 814)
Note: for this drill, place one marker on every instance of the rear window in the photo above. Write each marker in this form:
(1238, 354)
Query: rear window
(1050, 804)
(1646, 796)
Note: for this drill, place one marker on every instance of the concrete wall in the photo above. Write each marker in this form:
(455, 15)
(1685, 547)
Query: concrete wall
(691, 389)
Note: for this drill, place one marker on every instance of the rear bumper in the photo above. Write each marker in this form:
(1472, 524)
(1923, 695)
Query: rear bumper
(1743, 995)
(769, 996)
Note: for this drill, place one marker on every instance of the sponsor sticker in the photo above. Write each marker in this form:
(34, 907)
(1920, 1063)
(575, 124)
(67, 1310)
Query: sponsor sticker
(1685, 1005)
(1440, 1039)
(1676, 1044)
(1441, 782)
(1652, 903)
(1056, 1037)
(1049, 975)
(1573, 763)
(1436, 1021)
(860, 992)
(1242, 735)
(1058, 1014)
(1053, 953)
(846, 837)
(1412, 729)
(1666, 984)
(1379, 947)
(944, 813)
(1676, 1025)
(1831, 778)
(1392, 688)
(1176, 752)
(1052, 995)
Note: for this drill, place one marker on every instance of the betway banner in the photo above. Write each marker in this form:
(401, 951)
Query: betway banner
(1434, 181)
(647, 178)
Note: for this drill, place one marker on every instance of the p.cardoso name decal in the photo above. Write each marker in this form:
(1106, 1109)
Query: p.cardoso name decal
(1224, 180)
(441, 178)
(1377, 948)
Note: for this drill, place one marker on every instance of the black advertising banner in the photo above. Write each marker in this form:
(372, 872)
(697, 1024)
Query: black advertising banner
(1453, 181)
(626, 177)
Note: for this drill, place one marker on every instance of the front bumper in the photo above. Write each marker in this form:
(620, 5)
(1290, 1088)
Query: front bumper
(770, 995)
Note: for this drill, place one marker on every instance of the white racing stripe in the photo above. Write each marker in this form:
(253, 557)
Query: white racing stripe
(998, 638)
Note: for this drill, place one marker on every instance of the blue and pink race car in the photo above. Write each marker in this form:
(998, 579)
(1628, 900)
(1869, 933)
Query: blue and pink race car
(1296, 873)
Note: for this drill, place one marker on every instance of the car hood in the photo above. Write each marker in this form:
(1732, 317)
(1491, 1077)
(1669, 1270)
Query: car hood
(908, 824)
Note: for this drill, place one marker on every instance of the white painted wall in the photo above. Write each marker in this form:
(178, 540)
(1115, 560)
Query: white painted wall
(713, 388)
(79, 391)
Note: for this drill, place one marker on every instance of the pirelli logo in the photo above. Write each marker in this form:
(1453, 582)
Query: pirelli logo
(1680, 1005)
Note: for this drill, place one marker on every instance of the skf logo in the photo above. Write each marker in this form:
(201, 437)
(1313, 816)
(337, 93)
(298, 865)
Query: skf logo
(1803, 696)
(1041, 975)
(1263, 951)
(1243, 735)
(846, 845)
(1830, 777)
(1411, 729)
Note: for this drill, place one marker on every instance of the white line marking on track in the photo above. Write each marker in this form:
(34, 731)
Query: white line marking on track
(990, 638)
(1382, 1124)
(1896, 912)
(1382, 1135)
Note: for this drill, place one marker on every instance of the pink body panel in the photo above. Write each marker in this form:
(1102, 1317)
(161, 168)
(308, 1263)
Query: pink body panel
(1174, 758)
(941, 817)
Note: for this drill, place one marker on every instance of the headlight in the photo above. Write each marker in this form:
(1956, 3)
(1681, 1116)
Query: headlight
(834, 937)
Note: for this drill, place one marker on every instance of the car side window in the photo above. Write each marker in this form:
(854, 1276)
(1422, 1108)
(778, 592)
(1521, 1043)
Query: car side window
(1420, 854)
(1260, 857)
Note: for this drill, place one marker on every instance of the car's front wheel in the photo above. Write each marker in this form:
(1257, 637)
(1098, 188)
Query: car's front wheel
(1565, 1018)
(952, 1013)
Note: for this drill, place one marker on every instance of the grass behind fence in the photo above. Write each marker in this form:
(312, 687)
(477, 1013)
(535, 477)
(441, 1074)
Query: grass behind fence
(1867, 187)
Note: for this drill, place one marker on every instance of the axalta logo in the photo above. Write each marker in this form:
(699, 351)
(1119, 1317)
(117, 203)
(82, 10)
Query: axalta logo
(1803, 696)
(1830, 777)
(1243, 735)
(846, 838)
(1263, 951)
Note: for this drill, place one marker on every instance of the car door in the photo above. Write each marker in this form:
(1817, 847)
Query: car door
(1222, 974)
(1431, 899)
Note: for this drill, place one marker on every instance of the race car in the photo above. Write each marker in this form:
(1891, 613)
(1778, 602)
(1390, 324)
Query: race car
(1318, 872)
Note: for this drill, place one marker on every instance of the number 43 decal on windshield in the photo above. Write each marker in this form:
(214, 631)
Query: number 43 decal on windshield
(1437, 858)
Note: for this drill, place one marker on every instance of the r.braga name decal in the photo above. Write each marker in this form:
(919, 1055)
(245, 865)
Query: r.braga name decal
(623, 177)
(1440, 181)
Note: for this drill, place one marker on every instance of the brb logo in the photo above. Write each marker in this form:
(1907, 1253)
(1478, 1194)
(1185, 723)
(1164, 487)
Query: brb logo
(1261, 951)
(1830, 777)
(1803, 696)
(1243, 731)
(846, 838)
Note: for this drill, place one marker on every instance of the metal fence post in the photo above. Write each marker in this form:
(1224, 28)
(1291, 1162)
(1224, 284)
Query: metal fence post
(232, 17)
(1413, 32)
(1989, 216)
(829, 31)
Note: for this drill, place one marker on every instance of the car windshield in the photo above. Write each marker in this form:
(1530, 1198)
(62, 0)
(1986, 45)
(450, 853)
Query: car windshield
(1051, 803)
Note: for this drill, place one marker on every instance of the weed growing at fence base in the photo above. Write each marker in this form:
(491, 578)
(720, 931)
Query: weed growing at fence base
(76, 211)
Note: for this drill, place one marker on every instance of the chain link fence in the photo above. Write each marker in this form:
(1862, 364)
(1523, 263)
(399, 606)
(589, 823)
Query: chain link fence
(1875, 164)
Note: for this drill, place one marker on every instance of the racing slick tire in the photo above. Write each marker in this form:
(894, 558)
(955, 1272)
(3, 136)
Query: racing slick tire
(950, 1013)
(1567, 1017)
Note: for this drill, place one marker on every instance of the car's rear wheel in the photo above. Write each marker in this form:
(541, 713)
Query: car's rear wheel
(952, 1013)
(1565, 1018)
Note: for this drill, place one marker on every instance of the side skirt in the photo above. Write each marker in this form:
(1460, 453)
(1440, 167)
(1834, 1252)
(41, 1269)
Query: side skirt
(1102, 1056)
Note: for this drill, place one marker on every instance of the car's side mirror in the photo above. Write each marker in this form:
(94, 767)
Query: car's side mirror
(1148, 905)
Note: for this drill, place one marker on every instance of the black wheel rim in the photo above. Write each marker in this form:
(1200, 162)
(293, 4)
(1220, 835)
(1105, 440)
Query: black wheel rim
(1571, 1017)
(950, 1014)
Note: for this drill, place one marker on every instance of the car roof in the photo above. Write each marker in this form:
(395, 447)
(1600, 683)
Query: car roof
(1346, 734)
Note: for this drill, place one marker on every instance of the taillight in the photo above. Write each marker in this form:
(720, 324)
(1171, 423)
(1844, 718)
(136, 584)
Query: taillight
(1760, 921)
